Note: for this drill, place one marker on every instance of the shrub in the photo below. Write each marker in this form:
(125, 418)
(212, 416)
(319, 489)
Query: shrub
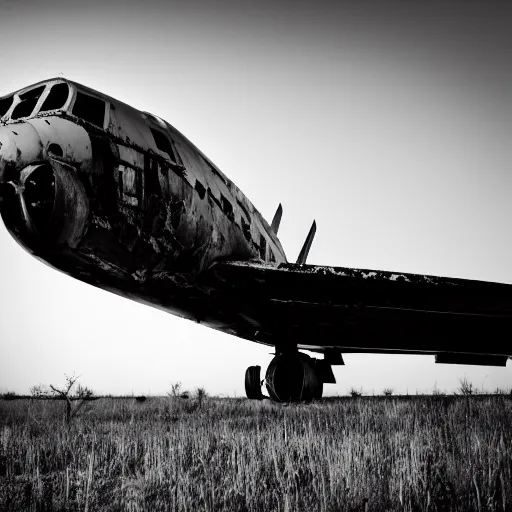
(356, 392)
(175, 390)
(466, 387)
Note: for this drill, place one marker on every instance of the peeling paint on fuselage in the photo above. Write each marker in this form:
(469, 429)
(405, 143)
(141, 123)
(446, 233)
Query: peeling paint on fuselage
(154, 223)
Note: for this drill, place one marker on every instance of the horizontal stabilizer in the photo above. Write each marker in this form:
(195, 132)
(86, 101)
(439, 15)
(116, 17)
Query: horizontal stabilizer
(301, 260)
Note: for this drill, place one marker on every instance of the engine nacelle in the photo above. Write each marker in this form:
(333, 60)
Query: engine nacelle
(45, 207)
(292, 377)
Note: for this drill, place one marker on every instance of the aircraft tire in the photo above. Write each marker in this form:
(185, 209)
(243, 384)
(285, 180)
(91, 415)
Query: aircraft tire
(252, 383)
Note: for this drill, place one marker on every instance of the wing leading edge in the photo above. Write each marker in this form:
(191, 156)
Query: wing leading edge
(356, 310)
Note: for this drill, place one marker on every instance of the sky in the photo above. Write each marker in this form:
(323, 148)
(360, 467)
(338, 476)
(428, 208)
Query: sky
(387, 122)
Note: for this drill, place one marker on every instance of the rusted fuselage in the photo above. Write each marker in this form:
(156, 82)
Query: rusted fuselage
(120, 199)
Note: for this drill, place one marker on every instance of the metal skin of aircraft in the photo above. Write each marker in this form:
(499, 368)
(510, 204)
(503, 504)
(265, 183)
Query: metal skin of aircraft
(119, 199)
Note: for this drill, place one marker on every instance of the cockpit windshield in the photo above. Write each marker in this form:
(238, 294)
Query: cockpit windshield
(28, 102)
(25, 103)
(56, 98)
(5, 105)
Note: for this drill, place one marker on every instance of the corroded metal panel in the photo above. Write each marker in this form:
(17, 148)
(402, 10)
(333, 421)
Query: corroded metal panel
(20, 145)
(73, 140)
(126, 124)
(247, 217)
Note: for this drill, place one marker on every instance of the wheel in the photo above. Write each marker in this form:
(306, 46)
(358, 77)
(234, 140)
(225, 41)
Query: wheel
(291, 377)
(252, 383)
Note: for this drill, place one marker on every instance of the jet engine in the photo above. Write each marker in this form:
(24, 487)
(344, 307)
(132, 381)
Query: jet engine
(292, 377)
(46, 207)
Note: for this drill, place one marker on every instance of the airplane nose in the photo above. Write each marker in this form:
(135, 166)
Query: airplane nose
(43, 202)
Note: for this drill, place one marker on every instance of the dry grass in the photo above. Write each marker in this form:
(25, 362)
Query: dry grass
(437, 453)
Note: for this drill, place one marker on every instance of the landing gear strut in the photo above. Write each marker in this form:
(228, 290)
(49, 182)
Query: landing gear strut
(291, 377)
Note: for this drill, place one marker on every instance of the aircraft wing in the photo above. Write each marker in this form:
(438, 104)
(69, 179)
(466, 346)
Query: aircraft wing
(323, 309)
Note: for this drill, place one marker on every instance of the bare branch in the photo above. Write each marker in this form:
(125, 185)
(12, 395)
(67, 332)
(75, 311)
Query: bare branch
(80, 394)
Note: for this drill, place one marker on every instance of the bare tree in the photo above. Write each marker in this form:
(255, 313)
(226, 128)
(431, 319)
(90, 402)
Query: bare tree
(72, 393)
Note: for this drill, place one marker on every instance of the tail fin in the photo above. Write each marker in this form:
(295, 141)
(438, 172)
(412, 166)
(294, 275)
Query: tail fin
(307, 245)
(277, 219)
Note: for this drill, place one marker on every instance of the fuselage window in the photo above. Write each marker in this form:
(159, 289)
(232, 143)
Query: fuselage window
(130, 185)
(89, 109)
(246, 229)
(56, 98)
(244, 209)
(213, 199)
(263, 247)
(5, 105)
(200, 189)
(163, 144)
(227, 208)
(28, 102)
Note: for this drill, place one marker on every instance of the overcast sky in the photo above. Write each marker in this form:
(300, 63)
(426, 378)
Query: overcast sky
(388, 123)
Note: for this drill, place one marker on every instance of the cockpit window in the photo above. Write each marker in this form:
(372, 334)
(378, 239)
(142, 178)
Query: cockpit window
(56, 98)
(5, 105)
(28, 102)
(89, 109)
(163, 143)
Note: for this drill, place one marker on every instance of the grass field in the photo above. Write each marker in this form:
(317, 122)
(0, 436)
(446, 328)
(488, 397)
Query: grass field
(343, 454)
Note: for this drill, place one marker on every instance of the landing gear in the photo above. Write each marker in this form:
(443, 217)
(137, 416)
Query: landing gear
(291, 377)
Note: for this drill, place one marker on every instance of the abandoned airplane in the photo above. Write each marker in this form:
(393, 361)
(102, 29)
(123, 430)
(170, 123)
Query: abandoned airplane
(120, 199)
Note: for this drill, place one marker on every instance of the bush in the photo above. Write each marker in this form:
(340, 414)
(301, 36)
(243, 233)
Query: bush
(356, 392)
(466, 387)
